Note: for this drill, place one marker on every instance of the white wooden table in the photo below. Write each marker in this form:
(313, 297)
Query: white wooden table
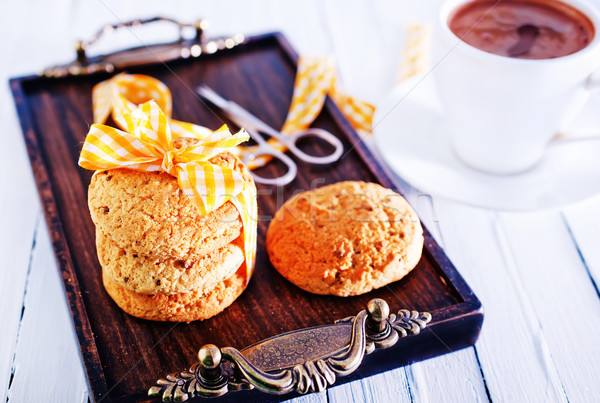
(537, 274)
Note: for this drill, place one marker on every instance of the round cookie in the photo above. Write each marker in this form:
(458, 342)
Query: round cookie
(150, 275)
(345, 239)
(184, 307)
(148, 212)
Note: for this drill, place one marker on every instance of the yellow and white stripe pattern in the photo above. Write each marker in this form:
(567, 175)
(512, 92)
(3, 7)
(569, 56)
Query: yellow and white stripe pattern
(416, 56)
(315, 79)
(123, 93)
(146, 144)
(359, 113)
(313, 82)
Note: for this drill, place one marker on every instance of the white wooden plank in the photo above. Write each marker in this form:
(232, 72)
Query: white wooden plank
(512, 348)
(46, 331)
(433, 380)
(19, 207)
(311, 398)
(436, 380)
(563, 296)
(583, 221)
(14, 270)
(301, 22)
(35, 35)
(388, 387)
(26, 53)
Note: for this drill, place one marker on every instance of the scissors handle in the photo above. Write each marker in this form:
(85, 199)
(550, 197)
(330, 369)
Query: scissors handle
(247, 120)
(291, 140)
(266, 150)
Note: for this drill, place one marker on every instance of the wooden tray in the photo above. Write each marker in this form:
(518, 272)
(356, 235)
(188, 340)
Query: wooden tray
(123, 355)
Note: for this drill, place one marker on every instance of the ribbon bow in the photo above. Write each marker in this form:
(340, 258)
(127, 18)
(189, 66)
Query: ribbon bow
(123, 93)
(315, 79)
(147, 145)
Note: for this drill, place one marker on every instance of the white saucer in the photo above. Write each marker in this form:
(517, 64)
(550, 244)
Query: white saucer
(411, 135)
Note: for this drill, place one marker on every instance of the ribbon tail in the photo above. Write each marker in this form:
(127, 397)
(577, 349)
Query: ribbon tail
(314, 80)
(102, 101)
(245, 202)
(195, 180)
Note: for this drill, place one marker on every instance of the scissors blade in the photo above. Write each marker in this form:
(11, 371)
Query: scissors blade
(235, 112)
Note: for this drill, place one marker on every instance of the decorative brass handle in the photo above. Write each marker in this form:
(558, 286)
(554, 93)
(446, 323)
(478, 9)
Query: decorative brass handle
(182, 48)
(303, 361)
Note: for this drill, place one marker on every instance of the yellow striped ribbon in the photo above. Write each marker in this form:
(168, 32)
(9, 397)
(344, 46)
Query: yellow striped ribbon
(315, 79)
(141, 106)
(146, 144)
(123, 93)
(416, 56)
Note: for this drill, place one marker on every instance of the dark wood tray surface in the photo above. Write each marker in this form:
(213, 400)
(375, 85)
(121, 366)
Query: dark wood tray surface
(123, 355)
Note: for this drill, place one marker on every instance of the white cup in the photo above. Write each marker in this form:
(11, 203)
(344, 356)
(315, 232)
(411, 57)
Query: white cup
(503, 111)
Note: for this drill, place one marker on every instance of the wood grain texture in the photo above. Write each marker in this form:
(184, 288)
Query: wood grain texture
(46, 38)
(436, 380)
(453, 378)
(583, 224)
(512, 336)
(134, 353)
(50, 320)
(561, 292)
(19, 209)
(396, 389)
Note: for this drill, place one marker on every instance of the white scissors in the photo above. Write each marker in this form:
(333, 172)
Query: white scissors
(254, 126)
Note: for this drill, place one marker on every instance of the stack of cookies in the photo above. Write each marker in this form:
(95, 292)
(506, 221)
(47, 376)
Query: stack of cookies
(161, 259)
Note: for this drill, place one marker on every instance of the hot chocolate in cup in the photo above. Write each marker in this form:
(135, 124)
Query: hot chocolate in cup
(511, 74)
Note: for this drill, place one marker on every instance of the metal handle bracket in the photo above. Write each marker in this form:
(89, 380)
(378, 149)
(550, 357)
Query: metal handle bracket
(319, 355)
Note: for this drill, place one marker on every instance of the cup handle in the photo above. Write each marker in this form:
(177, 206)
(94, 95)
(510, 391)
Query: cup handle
(568, 134)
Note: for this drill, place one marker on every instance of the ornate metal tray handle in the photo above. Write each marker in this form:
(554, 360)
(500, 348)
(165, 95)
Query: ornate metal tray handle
(182, 48)
(303, 361)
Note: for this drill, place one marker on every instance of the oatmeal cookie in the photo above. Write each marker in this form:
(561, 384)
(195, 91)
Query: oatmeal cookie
(149, 213)
(345, 239)
(150, 275)
(184, 307)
